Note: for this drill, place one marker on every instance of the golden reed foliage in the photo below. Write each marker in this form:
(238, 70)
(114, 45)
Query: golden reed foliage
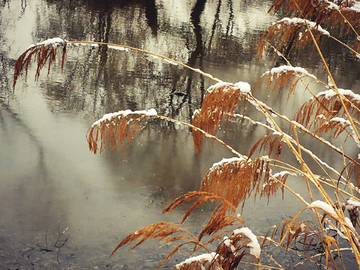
(288, 34)
(116, 128)
(330, 12)
(219, 103)
(42, 52)
(278, 78)
(318, 111)
(294, 231)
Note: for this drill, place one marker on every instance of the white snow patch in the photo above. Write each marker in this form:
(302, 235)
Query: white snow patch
(118, 48)
(281, 174)
(356, 7)
(254, 244)
(354, 203)
(285, 69)
(227, 242)
(206, 257)
(327, 208)
(55, 41)
(349, 223)
(328, 94)
(217, 85)
(84, 44)
(321, 116)
(171, 62)
(227, 160)
(303, 21)
(243, 87)
(109, 116)
(340, 120)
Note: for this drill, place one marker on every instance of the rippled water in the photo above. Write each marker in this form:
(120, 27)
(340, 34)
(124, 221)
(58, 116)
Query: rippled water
(63, 207)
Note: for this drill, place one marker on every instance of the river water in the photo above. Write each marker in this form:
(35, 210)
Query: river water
(62, 207)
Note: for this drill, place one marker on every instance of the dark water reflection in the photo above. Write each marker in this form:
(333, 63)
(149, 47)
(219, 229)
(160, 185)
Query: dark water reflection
(50, 181)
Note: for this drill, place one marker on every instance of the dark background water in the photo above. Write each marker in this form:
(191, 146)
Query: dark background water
(51, 183)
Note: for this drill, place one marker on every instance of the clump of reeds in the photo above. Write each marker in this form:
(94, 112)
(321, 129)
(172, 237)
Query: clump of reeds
(230, 182)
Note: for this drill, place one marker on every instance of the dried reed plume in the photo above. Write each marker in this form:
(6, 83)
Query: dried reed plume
(290, 33)
(42, 52)
(325, 112)
(235, 179)
(294, 231)
(219, 104)
(273, 140)
(331, 12)
(229, 252)
(278, 78)
(114, 128)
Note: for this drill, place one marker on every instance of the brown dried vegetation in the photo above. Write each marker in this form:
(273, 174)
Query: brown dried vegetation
(219, 104)
(278, 80)
(321, 12)
(117, 129)
(287, 35)
(322, 112)
(42, 53)
(293, 231)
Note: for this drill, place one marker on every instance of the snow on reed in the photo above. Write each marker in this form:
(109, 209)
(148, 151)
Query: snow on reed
(327, 208)
(206, 257)
(354, 203)
(224, 161)
(54, 41)
(346, 123)
(356, 7)
(119, 48)
(328, 94)
(348, 222)
(119, 114)
(243, 87)
(303, 21)
(284, 69)
(254, 244)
